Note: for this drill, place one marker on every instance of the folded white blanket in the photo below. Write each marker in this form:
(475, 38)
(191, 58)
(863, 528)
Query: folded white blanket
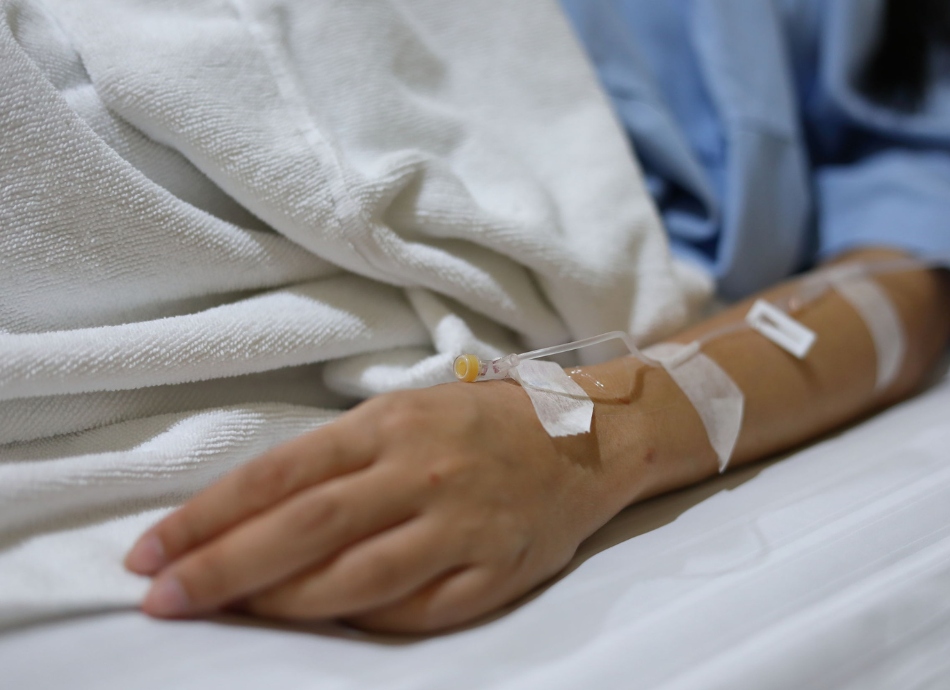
(220, 220)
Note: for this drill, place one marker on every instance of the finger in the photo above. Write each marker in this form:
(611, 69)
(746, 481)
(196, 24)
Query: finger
(307, 529)
(323, 454)
(375, 572)
(457, 598)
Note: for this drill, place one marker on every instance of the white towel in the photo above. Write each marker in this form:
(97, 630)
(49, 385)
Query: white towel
(221, 220)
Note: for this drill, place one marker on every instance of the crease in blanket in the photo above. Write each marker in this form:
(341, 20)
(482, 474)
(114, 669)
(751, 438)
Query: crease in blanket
(222, 223)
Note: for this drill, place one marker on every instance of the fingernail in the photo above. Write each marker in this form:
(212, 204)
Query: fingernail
(167, 599)
(147, 556)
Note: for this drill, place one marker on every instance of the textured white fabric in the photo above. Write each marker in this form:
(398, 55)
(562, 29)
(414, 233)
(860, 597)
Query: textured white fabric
(72, 504)
(829, 569)
(220, 220)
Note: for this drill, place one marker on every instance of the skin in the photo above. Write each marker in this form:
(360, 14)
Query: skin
(422, 510)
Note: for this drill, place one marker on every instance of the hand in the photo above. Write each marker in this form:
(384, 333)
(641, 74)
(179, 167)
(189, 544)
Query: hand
(415, 511)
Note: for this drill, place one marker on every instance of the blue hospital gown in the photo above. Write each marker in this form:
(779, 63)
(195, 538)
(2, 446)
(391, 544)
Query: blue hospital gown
(761, 153)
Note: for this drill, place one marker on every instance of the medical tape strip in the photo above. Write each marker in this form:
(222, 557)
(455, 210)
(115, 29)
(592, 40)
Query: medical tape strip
(856, 286)
(882, 321)
(717, 399)
(780, 328)
(563, 407)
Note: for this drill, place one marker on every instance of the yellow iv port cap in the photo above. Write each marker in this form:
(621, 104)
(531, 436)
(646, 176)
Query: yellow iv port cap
(466, 368)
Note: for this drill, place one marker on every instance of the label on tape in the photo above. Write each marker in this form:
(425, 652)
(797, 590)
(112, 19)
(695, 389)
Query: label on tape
(781, 328)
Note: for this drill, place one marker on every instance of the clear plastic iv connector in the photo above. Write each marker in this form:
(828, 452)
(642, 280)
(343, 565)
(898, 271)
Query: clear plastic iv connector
(470, 368)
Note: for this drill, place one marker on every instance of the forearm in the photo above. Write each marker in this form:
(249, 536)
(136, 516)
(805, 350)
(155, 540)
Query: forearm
(649, 430)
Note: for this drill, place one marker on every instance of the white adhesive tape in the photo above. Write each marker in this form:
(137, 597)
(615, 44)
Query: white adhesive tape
(781, 328)
(563, 407)
(882, 321)
(715, 396)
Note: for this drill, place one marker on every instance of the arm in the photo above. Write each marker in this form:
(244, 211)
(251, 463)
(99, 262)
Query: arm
(789, 401)
(423, 509)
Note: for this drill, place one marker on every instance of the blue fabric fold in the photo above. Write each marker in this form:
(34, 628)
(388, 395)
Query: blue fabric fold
(761, 153)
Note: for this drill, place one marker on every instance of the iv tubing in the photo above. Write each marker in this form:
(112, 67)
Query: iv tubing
(469, 368)
(595, 340)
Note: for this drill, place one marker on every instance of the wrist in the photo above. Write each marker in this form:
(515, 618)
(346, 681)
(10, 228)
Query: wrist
(649, 437)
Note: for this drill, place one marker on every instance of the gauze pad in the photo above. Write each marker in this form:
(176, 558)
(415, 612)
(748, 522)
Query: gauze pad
(715, 396)
(563, 407)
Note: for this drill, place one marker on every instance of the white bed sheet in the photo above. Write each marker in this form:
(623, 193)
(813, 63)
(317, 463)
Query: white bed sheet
(829, 569)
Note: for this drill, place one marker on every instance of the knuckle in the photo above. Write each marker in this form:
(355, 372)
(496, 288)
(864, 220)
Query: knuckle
(400, 620)
(269, 479)
(181, 531)
(418, 620)
(174, 534)
(375, 574)
(403, 415)
(267, 605)
(438, 615)
(494, 537)
(335, 442)
(515, 547)
(285, 605)
(317, 512)
(205, 579)
(455, 469)
(263, 605)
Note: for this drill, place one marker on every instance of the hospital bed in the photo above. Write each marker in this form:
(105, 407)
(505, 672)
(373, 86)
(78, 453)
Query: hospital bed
(829, 568)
